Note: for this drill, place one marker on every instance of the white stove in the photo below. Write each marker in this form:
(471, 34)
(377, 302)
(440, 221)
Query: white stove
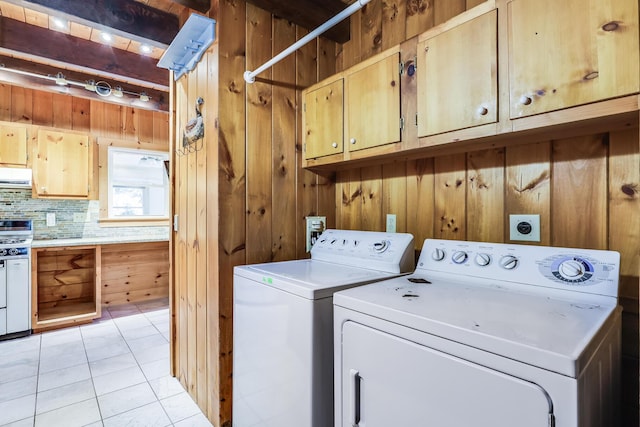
(483, 334)
(282, 325)
(15, 277)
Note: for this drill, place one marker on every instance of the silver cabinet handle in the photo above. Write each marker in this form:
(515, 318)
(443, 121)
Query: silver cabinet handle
(355, 398)
(352, 140)
(334, 144)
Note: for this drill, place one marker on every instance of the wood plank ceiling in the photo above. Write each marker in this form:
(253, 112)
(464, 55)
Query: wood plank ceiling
(47, 37)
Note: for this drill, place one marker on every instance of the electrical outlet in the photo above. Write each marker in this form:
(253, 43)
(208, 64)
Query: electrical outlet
(524, 228)
(391, 223)
(79, 217)
(51, 219)
(315, 226)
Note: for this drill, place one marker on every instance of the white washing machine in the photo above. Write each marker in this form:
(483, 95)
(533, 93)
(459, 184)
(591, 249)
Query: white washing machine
(283, 325)
(483, 335)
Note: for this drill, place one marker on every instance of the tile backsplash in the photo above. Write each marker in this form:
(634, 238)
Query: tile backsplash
(74, 218)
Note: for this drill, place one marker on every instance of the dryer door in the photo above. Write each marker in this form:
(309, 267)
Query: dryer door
(389, 381)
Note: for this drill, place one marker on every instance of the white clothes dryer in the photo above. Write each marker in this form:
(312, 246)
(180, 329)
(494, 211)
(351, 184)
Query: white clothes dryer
(283, 325)
(483, 335)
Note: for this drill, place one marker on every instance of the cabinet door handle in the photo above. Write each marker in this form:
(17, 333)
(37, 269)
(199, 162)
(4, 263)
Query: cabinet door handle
(354, 406)
(334, 144)
(525, 100)
(352, 140)
(483, 111)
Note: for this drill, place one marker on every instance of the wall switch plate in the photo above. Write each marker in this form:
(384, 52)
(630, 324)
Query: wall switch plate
(391, 223)
(524, 228)
(79, 217)
(315, 226)
(51, 219)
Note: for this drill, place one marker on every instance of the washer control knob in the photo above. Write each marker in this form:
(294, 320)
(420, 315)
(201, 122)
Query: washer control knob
(459, 257)
(509, 262)
(438, 254)
(572, 269)
(483, 259)
(381, 246)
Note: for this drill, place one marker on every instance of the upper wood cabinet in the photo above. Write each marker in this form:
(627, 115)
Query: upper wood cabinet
(372, 102)
(323, 120)
(13, 145)
(457, 76)
(62, 165)
(571, 52)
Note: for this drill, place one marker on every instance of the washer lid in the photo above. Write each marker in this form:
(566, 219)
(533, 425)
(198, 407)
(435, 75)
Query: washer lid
(310, 279)
(548, 331)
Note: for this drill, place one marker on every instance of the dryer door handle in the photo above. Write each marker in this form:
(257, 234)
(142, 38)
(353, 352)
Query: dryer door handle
(354, 406)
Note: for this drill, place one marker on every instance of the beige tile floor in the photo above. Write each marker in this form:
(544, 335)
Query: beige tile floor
(113, 372)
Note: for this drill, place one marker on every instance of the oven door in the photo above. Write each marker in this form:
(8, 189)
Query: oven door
(390, 381)
(3, 297)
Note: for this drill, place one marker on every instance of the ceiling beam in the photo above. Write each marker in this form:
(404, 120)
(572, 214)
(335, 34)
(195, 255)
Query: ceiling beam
(309, 14)
(127, 18)
(32, 43)
(159, 100)
(199, 5)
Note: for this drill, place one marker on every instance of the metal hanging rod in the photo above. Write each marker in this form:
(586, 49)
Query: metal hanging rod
(250, 76)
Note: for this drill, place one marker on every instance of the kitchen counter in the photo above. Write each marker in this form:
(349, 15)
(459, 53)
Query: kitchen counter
(85, 241)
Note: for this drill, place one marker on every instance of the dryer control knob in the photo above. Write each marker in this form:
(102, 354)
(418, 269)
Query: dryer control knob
(509, 262)
(381, 246)
(572, 269)
(459, 257)
(438, 254)
(483, 259)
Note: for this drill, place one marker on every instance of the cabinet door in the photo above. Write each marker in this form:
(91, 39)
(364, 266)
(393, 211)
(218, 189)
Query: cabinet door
(13, 146)
(18, 295)
(373, 104)
(61, 166)
(323, 118)
(388, 381)
(571, 52)
(457, 77)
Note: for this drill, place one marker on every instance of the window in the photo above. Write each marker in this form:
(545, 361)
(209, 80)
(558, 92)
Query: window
(138, 184)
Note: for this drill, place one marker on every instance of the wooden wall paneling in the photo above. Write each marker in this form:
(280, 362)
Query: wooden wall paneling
(420, 17)
(326, 58)
(447, 9)
(450, 191)
(21, 105)
(527, 187)
(80, 115)
(283, 180)
(114, 124)
(5, 107)
(371, 210)
(473, 3)
(394, 22)
(485, 195)
(349, 199)
(579, 192)
(145, 126)
(420, 200)
(259, 139)
(43, 109)
(130, 121)
(351, 50)
(201, 243)
(307, 187)
(160, 126)
(408, 94)
(192, 260)
(232, 196)
(97, 119)
(371, 24)
(215, 353)
(394, 194)
(182, 179)
(62, 111)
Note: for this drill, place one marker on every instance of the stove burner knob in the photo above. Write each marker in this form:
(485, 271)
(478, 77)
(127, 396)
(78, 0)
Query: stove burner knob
(13, 251)
(459, 257)
(3, 252)
(438, 254)
(509, 262)
(572, 269)
(483, 259)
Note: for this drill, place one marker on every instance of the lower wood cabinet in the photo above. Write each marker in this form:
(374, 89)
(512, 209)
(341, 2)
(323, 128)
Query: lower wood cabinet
(65, 286)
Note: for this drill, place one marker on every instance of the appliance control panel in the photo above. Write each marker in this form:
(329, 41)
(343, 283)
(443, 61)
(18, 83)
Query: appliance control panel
(393, 252)
(584, 270)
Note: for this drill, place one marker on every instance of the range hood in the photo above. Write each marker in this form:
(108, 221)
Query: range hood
(15, 178)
